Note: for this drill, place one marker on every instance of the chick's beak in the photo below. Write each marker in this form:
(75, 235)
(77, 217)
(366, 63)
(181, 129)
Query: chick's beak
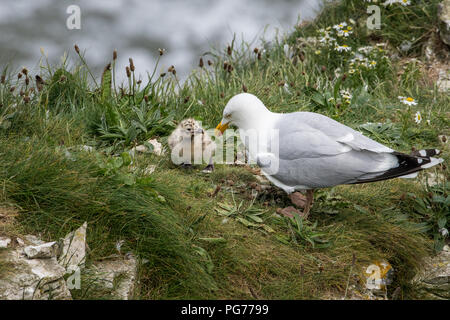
(220, 128)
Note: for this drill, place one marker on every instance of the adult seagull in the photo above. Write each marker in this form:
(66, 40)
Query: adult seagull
(315, 151)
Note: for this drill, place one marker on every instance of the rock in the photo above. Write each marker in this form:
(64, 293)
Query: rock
(432, 178)
(43, 251)
(20, 242)
(140, 148)
(116, 275)
(4, 242)
(443, 82)
(434, 278)
(73, 249)
(444, 21)
(32, 279)
(157, 147)
(33, 239)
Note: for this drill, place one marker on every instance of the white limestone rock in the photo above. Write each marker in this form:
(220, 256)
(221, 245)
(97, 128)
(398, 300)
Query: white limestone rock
(142, 148)
(43, 251)
(117, 275)
(73, 249)
(32, 279)
(157, 147)
(434, 277)
(444, 21)
(4, 242)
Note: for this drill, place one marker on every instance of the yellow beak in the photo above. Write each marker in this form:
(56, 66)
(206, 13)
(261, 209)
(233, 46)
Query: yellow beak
(220, 128)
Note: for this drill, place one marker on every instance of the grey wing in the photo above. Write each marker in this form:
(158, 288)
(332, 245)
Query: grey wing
(334, 130)
(308, 143)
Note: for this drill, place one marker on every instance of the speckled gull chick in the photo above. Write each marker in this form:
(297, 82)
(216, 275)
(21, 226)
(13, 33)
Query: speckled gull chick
(316, 151)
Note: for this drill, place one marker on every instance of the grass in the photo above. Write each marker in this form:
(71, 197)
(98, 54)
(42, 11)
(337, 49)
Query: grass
(171, 218)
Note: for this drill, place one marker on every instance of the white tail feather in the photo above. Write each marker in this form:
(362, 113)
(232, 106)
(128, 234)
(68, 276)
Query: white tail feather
(410, 176)
(434, 161)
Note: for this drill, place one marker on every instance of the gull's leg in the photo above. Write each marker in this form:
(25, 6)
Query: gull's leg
(210, 166)
(309, 202)
(186, 166)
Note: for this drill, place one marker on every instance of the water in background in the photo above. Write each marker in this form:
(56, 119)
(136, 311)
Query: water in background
(137, 28)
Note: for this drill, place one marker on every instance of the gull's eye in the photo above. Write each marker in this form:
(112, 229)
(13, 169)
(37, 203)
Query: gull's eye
(228, 116)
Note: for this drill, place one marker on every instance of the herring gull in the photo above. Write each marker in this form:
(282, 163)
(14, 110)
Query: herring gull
(315, 151)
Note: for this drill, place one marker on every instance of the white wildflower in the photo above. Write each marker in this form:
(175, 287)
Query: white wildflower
(345, 93)
(342, 48)
(344, 33)
(340, 26)
(389, 2)
(407, 100)
(365, 50)
(418, 117)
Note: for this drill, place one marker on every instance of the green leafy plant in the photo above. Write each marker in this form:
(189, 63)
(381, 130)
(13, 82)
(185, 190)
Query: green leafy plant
(386, 132)
(303, 230)
(249, 216)
(434, 210)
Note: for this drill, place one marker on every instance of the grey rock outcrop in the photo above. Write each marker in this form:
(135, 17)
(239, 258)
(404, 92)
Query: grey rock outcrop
(37, 270)
(434, 278)
(73, 249)
(4, 242)
(38, 278)
(116, 275)
(444, 21)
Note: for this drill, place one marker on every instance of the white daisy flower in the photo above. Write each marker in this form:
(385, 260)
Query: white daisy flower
(340, 26)
(444, 232)
(344, 33)
(389, 2)
(327, 39)
(366, 49)
(407, 100)
(405, 2)
(418, 117)
(345, 93)
(342, 48)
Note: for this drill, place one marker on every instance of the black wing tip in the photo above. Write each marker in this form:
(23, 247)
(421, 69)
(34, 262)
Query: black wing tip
(408, 164)
(425, 153)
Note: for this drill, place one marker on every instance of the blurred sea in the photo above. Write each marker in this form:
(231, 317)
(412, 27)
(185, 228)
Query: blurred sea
(137, 28)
